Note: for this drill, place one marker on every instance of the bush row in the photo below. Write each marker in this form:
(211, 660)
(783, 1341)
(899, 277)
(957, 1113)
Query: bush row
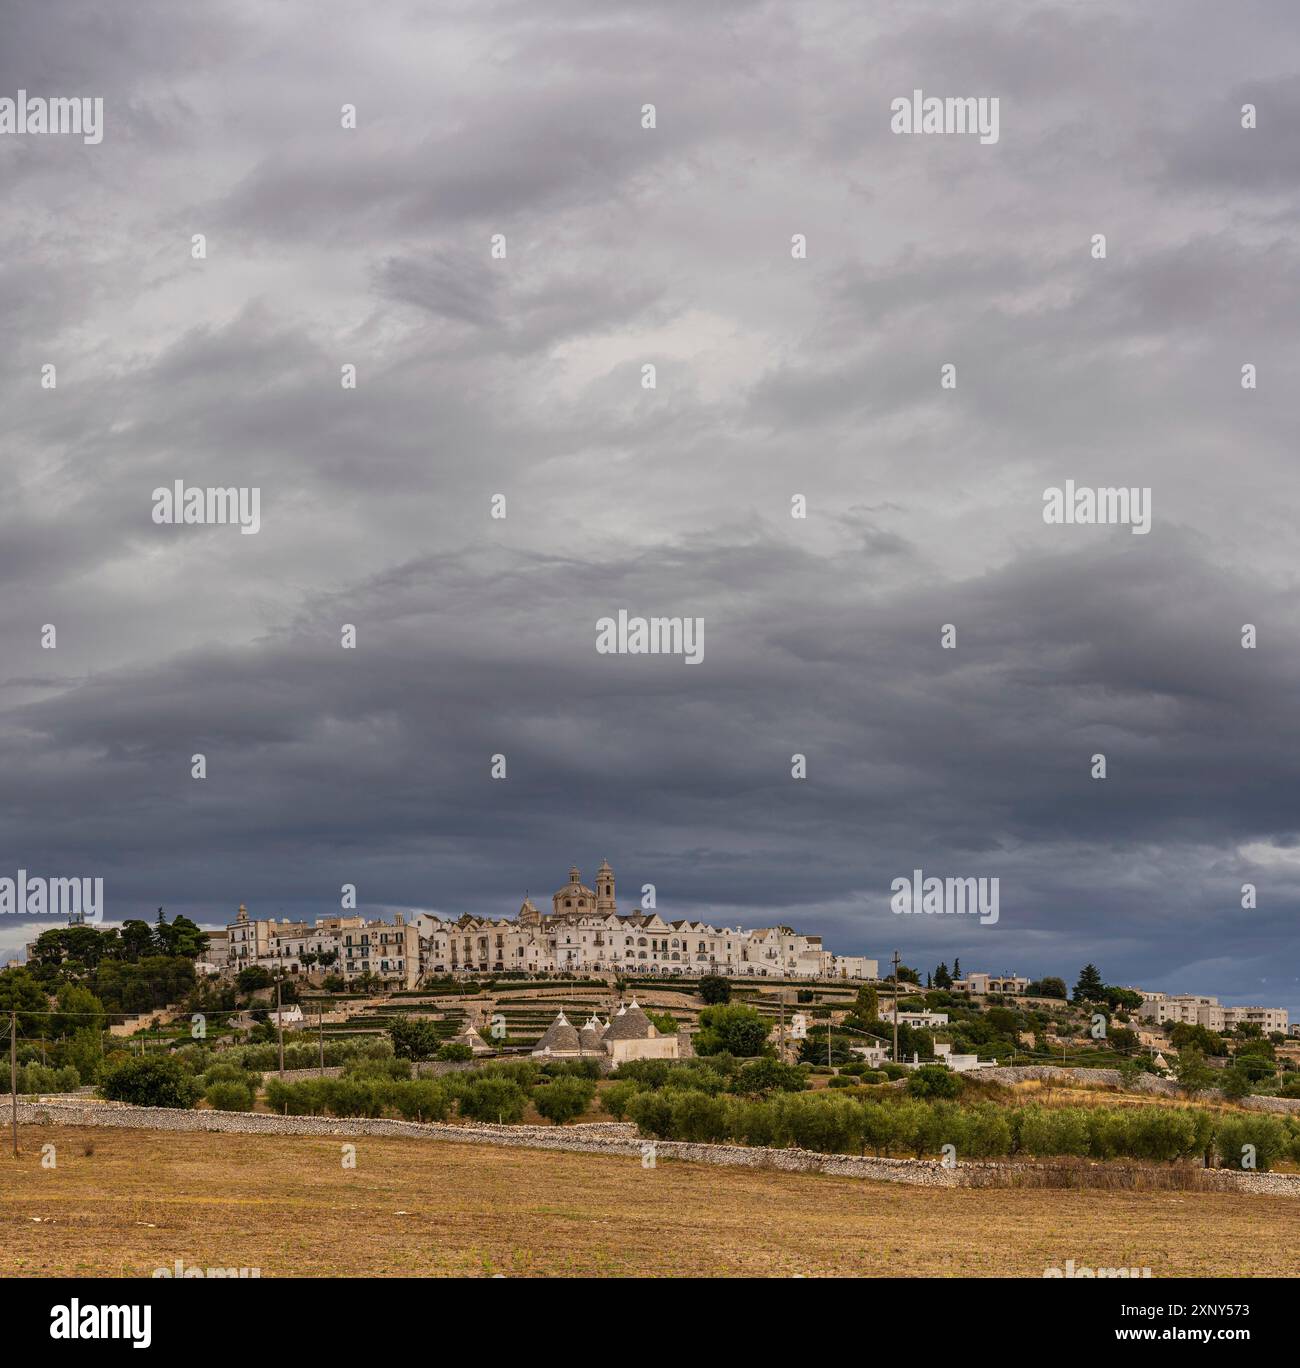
(483, 1096)
(37, 1078)
(837, 1124)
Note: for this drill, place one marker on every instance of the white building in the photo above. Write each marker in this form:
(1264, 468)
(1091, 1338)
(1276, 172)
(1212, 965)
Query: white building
(925, 1021)
(347, 946)
(980, 985)
(1194, 1009)
(585, 933)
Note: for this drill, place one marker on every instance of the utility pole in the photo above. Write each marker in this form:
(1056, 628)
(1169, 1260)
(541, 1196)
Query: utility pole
(320, 1027)
(13, 1074)
(896, 962)
(279, 1025)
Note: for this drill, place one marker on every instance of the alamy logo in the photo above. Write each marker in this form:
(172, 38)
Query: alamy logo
(951, 114)
(82, 899)
(60, 114)
(1073, 1270)
(1084, 506)
(954, 897)
(214, 507)
(180, 1269)
(75, 1321)
(651, 636)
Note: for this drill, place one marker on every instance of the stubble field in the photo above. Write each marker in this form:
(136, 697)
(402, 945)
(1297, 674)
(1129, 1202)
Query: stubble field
(287, 1205)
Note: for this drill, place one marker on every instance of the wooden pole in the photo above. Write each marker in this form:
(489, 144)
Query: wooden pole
(896, 1007)
(320, 1026)
(279, 1025)
(13, 1074)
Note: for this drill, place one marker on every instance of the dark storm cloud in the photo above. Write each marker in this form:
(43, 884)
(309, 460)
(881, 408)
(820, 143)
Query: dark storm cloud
(775, 377)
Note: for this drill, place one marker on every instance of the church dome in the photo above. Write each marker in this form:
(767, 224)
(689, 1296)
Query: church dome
(575, 896)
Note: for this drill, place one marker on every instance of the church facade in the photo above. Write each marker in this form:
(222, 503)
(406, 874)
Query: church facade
(584, 932)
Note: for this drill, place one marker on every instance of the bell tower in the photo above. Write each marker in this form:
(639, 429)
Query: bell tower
(606, 906)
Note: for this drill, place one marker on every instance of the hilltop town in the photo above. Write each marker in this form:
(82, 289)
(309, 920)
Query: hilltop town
(582, 979)
(576, 1027)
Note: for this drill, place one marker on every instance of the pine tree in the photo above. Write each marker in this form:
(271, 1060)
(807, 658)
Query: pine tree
(1089, 988)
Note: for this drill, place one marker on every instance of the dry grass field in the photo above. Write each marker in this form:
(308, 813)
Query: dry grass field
(287, 1206)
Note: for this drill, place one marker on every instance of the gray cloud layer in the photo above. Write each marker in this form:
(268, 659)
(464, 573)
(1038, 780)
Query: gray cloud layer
(775, 377)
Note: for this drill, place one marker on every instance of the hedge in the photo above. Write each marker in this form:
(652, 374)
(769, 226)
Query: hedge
(836, 1123)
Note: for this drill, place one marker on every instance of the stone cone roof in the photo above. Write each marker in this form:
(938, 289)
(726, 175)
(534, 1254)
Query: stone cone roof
(560, 1038)
(630, 1023)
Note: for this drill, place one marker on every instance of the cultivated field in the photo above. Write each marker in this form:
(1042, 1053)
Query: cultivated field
(288, 1207)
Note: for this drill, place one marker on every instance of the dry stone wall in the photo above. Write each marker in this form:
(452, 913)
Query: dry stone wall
(600, 1137)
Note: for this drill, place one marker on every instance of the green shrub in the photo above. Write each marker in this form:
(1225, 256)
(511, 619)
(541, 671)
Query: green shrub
(222, 1072)
(572, 1068)
(353, 1096)
(1265, 1134)
(762, 1076)
(414, 1039)
(695, 1078)
(151, 1081)
(933, 1080)
(698, 1116)
(39, 1078)
(830, 1125)
(525, 1072)
(885, 1127)
(615, 1098)
(987, 1133)
(652, 1112)
(421, 1099)
(1053, 1130)
(297, 1099)
(497, 1100)
(229, 1096)
(649, 1073)
(1166, 1133)
(563, 1099)
(753, 1123)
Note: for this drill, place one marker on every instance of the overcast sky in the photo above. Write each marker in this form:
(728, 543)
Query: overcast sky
(776, 376)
